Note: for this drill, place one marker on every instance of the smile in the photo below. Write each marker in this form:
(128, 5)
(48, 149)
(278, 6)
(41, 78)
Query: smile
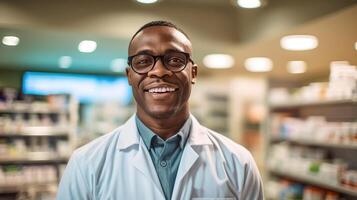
(161, 90)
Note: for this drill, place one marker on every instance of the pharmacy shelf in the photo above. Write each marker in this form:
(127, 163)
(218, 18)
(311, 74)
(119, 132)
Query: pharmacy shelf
(8, 135)
(295, 104)
(14, 188)
(333, 110)
(34, 157)
(306, 142)
(11, 111)
(37, 131)
(315, 181)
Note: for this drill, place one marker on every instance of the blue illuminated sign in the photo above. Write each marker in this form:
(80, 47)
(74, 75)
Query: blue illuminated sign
(87, 88)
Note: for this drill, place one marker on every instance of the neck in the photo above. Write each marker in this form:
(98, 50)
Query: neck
(164, 127)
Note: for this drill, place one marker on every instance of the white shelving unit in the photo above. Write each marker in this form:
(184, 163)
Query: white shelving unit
(217, 112)
(311, 180)
(340, 110)
(311, 137)
(306, 142)
(58, 140)
(34, 157)
(210, 104)
(296, 104)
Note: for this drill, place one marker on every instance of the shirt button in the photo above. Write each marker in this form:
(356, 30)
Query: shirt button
(163, 163)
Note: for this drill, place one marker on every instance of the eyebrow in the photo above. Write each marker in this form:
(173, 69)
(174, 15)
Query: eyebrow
(150, 52)
(146, 51)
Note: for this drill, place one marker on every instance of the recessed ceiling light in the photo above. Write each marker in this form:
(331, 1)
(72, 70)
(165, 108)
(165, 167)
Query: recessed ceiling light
(87, 46)
(65, 62)
(296, 67)
(147, 1)
(218, 61)
(258, 64)
(10, 40)
(299, 42)
(119, 65)
(249, 3)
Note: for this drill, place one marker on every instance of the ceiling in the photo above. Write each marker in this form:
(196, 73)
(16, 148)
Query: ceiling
(51, 29)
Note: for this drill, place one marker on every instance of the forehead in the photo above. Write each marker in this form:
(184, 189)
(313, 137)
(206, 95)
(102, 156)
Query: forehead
(159, 39)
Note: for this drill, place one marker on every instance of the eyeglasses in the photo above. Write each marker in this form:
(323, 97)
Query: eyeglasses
(174, 61)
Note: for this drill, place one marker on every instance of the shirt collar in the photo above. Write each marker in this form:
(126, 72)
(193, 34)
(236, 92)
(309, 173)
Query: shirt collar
(148, 135)
(129, 136)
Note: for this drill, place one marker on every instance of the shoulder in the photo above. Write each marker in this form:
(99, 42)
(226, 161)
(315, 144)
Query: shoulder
(77, 178)
(239, 165)
(230, 150)
(97, 148)
(235, 155)
(229, 145)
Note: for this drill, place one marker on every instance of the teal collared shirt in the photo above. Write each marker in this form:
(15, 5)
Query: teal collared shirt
(165, 155)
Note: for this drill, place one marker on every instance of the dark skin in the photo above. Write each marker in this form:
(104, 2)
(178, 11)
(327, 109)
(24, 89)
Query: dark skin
(164, 113)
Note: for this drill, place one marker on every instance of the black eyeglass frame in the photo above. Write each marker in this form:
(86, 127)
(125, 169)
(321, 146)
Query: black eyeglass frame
(161, 57)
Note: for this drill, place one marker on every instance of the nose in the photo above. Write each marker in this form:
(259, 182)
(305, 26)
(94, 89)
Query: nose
(159, 70)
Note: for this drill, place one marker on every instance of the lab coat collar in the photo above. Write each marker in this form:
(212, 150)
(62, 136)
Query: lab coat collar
(198, 134)
(129, 134)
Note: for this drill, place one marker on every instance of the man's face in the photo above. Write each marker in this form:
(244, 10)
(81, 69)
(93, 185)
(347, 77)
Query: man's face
(152, 100)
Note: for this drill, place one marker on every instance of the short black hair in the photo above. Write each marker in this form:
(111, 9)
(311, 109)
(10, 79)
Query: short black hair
(157, 23)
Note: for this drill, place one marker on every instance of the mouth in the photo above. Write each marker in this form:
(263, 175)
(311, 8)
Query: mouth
(160, 90)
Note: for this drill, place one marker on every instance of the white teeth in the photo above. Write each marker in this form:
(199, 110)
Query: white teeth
(161, 90)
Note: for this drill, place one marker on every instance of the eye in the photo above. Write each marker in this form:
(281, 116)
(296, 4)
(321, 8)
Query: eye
(176, 61)
(142, 60)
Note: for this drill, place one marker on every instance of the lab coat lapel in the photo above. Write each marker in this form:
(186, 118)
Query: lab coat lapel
(141, 160)
(198, 136)
(189, 157)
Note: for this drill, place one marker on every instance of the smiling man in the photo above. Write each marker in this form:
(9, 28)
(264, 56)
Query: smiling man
(161, 152)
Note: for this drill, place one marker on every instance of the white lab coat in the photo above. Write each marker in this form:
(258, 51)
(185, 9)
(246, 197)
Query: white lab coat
(118, 166)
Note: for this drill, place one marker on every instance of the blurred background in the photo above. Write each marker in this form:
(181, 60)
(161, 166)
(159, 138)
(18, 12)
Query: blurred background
(276, 76)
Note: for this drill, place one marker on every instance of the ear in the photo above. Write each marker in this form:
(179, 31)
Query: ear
(128, 74)
(194, 73)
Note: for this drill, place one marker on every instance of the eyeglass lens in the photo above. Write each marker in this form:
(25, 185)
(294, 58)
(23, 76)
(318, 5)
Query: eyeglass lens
(174, 61)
